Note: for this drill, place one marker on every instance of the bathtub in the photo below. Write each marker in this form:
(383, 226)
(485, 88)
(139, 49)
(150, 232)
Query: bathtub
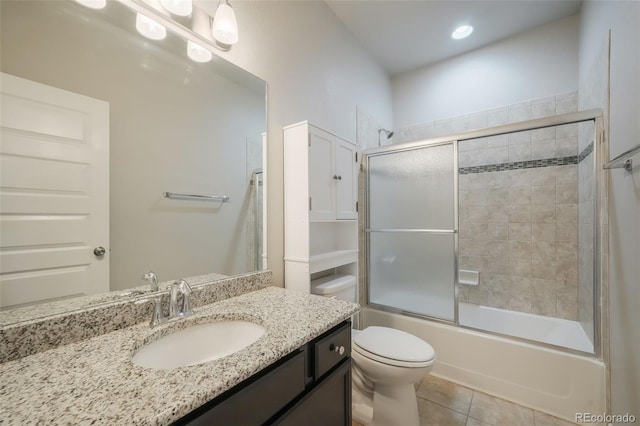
(549, 330)
(545, 379)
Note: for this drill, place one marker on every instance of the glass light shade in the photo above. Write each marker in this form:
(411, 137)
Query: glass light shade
(178, 7)
(150, 28)
(462, 32)
(93, 4)
(198, 53)
(225, 26)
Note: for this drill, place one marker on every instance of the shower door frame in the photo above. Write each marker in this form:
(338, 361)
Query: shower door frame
(409, 147)
(596, 117)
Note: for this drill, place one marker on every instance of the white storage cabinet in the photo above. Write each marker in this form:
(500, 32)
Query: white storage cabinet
(320, 207)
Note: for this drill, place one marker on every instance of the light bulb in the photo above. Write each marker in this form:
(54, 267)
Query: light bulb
(93, 4)
(150, 28)
(178, 7)
(198, 53)
(462, 32)
(225, 27)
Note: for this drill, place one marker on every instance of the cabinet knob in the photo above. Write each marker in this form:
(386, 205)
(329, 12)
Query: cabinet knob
(335, 177)
(339, 177)
(338, 349)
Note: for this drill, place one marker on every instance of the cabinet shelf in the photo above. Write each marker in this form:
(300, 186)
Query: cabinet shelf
(333, 259)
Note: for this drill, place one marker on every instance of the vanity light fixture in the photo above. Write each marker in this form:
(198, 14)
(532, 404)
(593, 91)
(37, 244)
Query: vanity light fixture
(93, 4)
(198, 53)
(150, 28)
(462, 32)
(178, 7)
(225, 26)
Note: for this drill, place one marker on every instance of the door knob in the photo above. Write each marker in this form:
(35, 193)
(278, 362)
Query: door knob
(99, 251)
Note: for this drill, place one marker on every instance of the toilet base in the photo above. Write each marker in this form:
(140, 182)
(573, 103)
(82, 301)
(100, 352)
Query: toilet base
(394, 405)
(361, 408)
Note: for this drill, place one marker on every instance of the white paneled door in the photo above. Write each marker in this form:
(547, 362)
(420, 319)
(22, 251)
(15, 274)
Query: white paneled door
(54, 193)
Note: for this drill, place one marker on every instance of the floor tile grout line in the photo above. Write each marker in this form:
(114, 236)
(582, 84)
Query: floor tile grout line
(473, 393)
(444, 406)
(469, 416)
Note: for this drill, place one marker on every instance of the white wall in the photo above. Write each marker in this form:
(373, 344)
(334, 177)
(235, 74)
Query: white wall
(534, 64)
(623, 19)
(316, 71)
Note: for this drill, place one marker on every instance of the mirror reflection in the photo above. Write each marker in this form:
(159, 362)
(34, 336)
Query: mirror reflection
(98, 122)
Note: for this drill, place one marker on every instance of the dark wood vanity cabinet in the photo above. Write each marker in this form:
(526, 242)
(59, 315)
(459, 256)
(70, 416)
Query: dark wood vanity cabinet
(310, 386)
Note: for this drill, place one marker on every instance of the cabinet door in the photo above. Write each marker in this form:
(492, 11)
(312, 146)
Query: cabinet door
(346, 184)
(265, 395)
(328, 404)
(321, 173)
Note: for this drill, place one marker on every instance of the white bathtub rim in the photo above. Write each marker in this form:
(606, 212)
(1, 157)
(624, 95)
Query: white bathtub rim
(481, 332)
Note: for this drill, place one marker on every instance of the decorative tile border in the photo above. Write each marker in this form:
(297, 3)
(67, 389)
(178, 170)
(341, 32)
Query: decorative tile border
(529, 164)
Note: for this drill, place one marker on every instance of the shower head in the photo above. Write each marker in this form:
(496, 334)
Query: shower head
(389, 133)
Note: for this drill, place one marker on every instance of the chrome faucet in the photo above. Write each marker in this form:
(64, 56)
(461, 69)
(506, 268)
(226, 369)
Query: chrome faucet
(176, 309)
(152, 278)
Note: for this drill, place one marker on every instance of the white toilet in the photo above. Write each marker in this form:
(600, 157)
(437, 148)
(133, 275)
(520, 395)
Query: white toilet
(386, 365)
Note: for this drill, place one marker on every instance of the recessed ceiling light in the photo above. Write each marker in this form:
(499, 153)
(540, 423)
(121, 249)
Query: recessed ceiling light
(462, 32)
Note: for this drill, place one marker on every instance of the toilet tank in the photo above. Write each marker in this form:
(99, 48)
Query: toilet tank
(338, 286)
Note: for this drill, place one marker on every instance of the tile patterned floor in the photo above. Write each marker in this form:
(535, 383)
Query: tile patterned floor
(443, 403)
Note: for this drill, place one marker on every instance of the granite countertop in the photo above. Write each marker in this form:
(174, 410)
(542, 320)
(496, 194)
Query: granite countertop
(94, 382)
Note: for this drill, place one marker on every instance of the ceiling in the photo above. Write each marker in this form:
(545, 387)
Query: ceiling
(404, 35)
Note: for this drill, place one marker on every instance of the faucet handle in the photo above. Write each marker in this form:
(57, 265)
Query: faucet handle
(157, 317)
(186, 291)
(173, 299)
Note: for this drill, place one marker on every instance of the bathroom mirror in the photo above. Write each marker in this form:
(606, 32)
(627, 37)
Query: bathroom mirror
(173, 125)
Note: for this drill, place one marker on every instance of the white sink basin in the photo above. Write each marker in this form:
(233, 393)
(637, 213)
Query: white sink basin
(198, 344)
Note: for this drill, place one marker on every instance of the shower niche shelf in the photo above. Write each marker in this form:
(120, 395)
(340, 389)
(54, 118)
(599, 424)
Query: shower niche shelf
(320, 199)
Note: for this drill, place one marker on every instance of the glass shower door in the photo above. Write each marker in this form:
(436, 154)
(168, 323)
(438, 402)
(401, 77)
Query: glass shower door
(411, 230)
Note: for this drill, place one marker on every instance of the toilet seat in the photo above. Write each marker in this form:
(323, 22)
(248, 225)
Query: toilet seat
(393, 347)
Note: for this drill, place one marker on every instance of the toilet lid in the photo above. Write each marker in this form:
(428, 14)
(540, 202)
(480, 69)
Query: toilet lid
(394, 344)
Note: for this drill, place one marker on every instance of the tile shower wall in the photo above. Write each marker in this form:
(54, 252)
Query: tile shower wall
(518, 207)
(520, 197)
(518, 229)
(537, 108)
